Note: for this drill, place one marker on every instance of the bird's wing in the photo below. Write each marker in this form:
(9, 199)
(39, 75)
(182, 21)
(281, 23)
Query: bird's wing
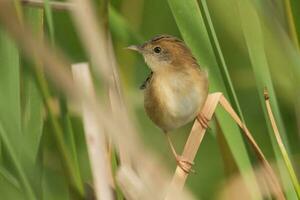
(146, 82)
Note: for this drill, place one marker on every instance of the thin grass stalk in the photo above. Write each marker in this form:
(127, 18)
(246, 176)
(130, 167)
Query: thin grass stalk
(283, 151)
(19, 10)
(49, 19)
(95, 139)
(115, 165)
(70, 137)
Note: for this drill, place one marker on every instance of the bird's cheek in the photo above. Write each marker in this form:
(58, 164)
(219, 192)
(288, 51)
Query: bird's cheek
(152, 63)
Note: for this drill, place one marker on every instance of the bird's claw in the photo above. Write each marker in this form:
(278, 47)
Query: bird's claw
(185, 165)
(203, 120)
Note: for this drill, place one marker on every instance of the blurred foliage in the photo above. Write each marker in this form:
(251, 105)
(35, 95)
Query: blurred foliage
(29, 157)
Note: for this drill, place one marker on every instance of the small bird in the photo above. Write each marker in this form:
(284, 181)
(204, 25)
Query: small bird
(176, 89)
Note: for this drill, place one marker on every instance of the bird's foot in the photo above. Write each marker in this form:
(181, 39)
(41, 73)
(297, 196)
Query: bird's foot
(185, 165)
(203, 120)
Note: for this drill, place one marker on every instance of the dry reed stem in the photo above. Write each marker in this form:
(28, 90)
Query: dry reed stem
(236, 183)
(102, 175)
(132, 186)
(193, 143)
(197, 134)
(282, 148)
(135, 188)
(98, 44)
(92, 36)
(117, 103)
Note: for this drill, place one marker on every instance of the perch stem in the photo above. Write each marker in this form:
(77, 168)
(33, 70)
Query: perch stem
(195, 138)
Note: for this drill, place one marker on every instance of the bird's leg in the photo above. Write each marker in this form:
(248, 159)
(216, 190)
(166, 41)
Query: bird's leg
(203, 120)
(185, 165)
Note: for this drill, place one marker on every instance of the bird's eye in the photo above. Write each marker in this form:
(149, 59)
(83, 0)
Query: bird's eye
(157, 49)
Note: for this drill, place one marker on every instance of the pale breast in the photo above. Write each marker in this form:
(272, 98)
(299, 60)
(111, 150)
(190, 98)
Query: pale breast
(174, 100)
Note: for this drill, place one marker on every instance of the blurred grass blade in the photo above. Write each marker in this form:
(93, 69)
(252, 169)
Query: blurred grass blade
(253, 36)
(121, 29)
(10, 106)
(49, 19)
(295, 8)
(32, 110)
(115, 165)
(291, 24)
(283, 151)
(68, 164)
(20, 172)
(65, 118)
(69, 136)
(193, 30)
(18, 9)
(32, 105)
(10, 188)
(70, 149)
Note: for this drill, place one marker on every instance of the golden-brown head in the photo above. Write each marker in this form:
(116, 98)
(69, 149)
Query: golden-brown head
(165, 51)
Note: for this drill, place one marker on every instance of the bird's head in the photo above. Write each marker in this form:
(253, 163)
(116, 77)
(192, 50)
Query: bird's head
(165, 51)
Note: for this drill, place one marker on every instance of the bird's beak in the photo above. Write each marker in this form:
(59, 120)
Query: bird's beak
(135, 48)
